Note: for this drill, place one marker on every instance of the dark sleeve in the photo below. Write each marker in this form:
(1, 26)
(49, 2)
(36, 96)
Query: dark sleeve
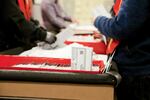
(49, 12)
(28, 30)
(132, 15)
(67, 18)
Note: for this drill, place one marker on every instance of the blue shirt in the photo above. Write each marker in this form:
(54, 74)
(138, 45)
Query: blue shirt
(132, 28)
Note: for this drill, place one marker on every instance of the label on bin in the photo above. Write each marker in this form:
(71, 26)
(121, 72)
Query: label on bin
(81, 58)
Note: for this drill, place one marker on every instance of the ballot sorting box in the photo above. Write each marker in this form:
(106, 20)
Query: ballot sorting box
(41, 84)
(99, 47)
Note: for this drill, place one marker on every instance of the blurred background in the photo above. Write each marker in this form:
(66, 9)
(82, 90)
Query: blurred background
(79, 9)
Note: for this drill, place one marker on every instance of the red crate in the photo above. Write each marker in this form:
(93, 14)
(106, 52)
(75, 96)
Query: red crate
(8, 61)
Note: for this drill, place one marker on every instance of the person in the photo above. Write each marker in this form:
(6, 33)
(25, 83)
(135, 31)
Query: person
(16, 30)
(54, 17)
(26, 7)
(131, 28)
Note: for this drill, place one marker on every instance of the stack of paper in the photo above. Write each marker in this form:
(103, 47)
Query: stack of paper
(65, 52)
(82, 38)
(84, 29)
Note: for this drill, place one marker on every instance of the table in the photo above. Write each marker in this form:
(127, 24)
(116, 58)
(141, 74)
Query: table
(36, 85)
(44, 85)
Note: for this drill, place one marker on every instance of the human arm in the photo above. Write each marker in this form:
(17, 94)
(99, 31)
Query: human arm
(62, 13)
(27, 31)
(131, 16)
(48, 11)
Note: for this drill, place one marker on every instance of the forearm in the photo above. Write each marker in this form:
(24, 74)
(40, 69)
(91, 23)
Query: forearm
(132, 15)
(50, 14)
(28, 29)
(68, 18)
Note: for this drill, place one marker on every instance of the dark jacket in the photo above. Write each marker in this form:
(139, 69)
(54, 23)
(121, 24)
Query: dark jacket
(54, 17)
(132, 28)
(15, 30)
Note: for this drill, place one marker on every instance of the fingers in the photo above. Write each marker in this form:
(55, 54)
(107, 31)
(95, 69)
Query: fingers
(46, 46)
(50, 38)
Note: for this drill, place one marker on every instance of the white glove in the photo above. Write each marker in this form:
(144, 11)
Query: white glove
(101, 11)
(50, 38)
(47, 46)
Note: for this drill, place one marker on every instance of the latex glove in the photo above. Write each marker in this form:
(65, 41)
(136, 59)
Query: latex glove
(46, 46)
(50, 38)
(100, 11)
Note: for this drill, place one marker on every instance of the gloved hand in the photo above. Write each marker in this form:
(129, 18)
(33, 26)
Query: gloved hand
(50, 38)
(100, 11)
(46, 46)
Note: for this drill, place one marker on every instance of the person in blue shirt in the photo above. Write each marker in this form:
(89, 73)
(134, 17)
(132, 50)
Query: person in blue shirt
(132, 28)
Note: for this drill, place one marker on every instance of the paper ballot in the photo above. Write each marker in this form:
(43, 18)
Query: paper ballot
(81, 58)
(83, 29)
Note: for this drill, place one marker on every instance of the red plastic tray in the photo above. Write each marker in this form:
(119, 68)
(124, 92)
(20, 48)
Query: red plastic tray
(98, 47)
(8, 61)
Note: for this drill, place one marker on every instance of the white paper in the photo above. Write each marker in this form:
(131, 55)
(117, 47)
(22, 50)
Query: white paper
(84, 29)
(64, 52)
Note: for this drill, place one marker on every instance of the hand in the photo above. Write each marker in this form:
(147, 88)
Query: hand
(75, 20)
(97, 35)
(50, 38)
(46, 46)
